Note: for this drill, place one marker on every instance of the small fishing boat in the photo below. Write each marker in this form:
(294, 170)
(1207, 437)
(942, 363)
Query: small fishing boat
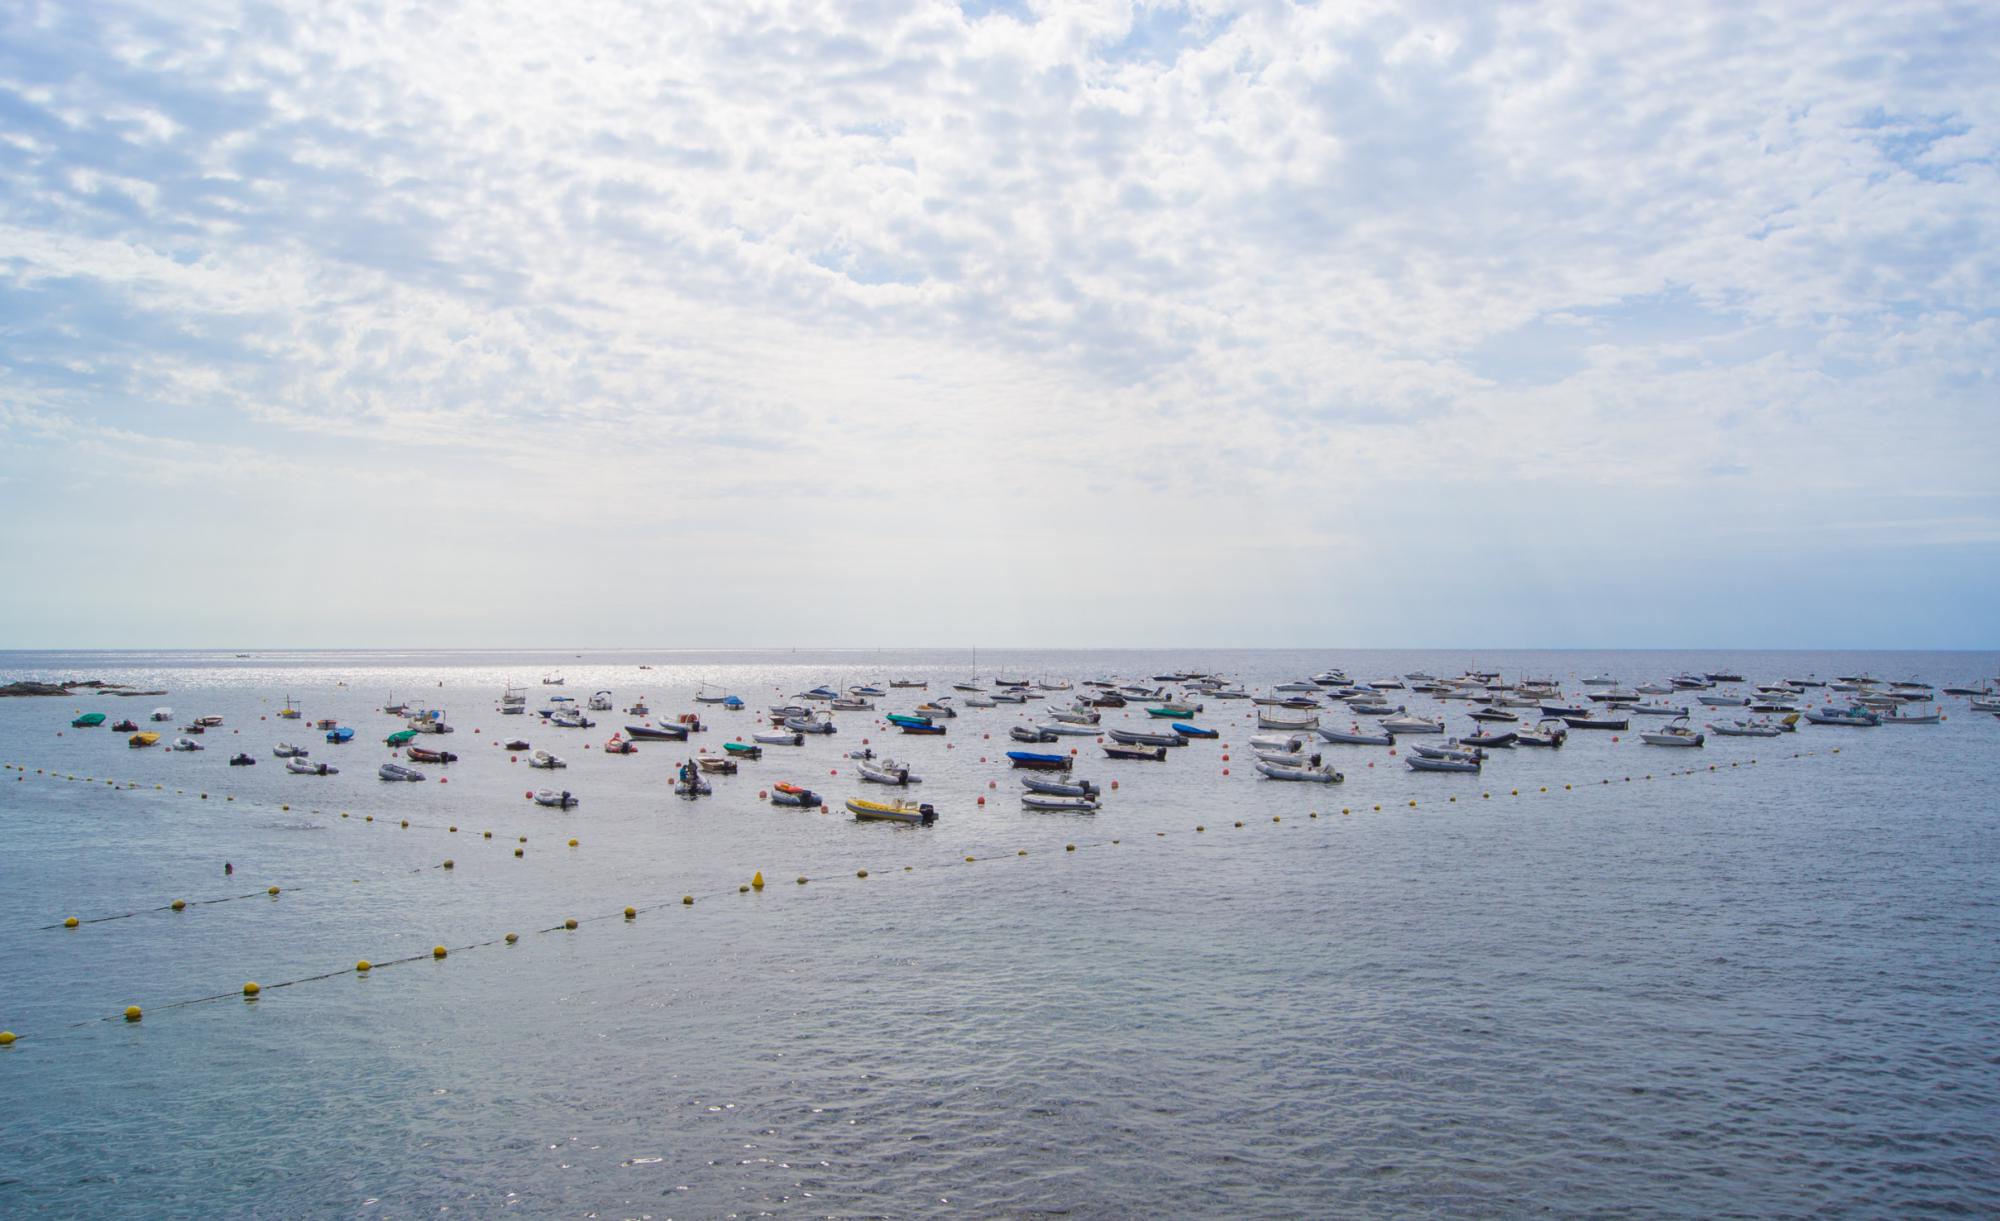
(396, 771)
(402, 737)
(1122, 750)
(285, 750)
(1678, 733)
(186, 744)
(852, 704)
(1031, 733)
(127, 726)
(1419, 763)
(325, 723)
(813, 724)
(340, 736)
(1490, 713)
(776, 737)
(1318, 773)
(209, 722)
(1044, 763)
(563, 800)
(1060, 729)
(717, 765)
(162, 714)
(600, 701)
(787, 794)
(518, 744)
(664, 733)
(89, 720)
(639, 709)
(1598, 721)
(1195, 731)
(194, 729)
(1267, 719)
(303, 767)
(1135, 737)
(1744, 729)
(546, 761)
(1551, 733)
(744, 750)
(287, 713)
(1051, 804)
(1058, 788)
(892, 811)
(420, 754)
(243, 760)
(1855, 715)
(887, 771)
(924, 729)
(1899, 716)
(920, 684)
(1412, 724)
(1495, 741)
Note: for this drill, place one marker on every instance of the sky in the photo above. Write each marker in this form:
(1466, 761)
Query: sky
(1007, 324)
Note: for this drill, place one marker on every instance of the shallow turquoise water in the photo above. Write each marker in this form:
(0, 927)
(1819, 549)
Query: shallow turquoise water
(1768, 989)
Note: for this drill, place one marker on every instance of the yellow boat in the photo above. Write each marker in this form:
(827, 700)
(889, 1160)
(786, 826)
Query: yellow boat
(147, 738)
(892, 811)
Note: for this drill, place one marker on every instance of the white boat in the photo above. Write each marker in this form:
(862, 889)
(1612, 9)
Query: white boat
(396, 771)
(186, 744)
(546, 761)
(779, 737)
(1892, 717)
(1057, 788)
(1657, 710)
(300, 767)
(809, 724)
(1723, 701)
(1286, 744)
(1270, 719)
(558, 800)
(1745, 729)
(1076, 716)
(600, 701)
(1600, 680)
(1059, 805)
(285, 750)
(1322, 773)
(1063, 728)
(163, 714)
(1412, 724)
(1419, 763)
(887, 771)
(1676, 734)
(980, 701)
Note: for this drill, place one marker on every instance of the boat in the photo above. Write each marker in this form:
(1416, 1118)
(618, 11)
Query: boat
(1294, 758)
(421, 754)
(787, 794)
(1076, 716)
(285, 750)
(569, 718)
(1551, 733)
(1195, 731)
(563, 800)
(396, 771)
(600, 701)
(887, 771)
(639, 708)
(732, 703)
(1320, 773)
(1490, 713)
(1677, 733)
(546, 761)
(777, 737)
(288, 712)
(163, 714)
(1286, 743)
(1600, 680)
(1058, 788)
(1121, 750)
(852, 704)
(744, 750)
(127, 726)
(1563, 710)
(1745, 729)
(1177, 712)
(1271, 720)
(1135, 737)
(340, 735)
(1031, 733)
(921, 684)
(1723, 701)
(812, 724)
(325, 723)
(552, 680)
(1411, 724)
(186, 744)
(1667, 710)
(688, 782)
(302, 767)
(1723, 677)
(1855, 715)
(518, 744)
(1043, 763)
(1597, 721)
(617, 744)
(907, 718)
(1419, 763)
(1051, 804)
(892, 811)
(936, 708)
(194, 729)
(717, 764)
(920, 728)
(89, 720)
(402, 737)
(243, 760)
(1897, 716)
(1495, 741)
(1058, 729)
(664, 733)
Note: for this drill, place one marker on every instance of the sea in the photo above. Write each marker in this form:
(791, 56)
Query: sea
(1758, 978)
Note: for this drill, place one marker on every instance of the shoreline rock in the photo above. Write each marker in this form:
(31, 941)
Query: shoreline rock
(31, 687)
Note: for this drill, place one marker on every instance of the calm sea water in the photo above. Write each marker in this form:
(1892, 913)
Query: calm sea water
(1768, 989)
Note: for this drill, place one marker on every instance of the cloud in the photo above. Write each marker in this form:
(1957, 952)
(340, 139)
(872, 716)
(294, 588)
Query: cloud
(911, 273)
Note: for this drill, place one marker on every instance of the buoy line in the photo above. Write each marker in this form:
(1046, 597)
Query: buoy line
(629, 914)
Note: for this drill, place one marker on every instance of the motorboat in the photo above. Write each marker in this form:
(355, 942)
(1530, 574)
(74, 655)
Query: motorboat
(1855, 715)
(599, 701)
(518, 744)
(162, 715)
(1195, 731)
(323, 723)
(1058, 788)
(1267, 719)
(920, 684)
(1550, 732)
(616, 744)
(1600, 680)
(340, 735)
(1287, 743)
(1667, 710)
(721, 765)
(570, 718)
(919, 728)
(1075, 716)
(89, 720)
(126, 726)
(546, 761)
(1135, 737)
(887, 771)
(1493, 741)
(208, 722)
(851, 704)
(1122, 750)
(787, 794)
(1320, 773)
(1065, 729)
(421, 754)
(243, 760)
(870, 691)
(688, 782)
(810, 724)
(1412, 724)
(936, 708)
(1490, 713)
(396, 771)
(186, 744)
(1050, 804)
(661, 733)
(775, 737)
(285, 750)
(1044, 763)
(1602, 720)
(744, 750)
(639, 708)
(1031, 733)
(1744, 729)
(1899, 716)
(302, 767)
(556, 800)
(1678, 733)
(912, 812)
(1723, 701)
(1450, 748)
(1420, 763)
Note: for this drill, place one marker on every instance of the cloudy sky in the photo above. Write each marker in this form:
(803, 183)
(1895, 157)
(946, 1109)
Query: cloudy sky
(511, 323)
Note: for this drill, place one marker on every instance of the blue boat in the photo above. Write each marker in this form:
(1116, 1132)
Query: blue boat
(730, 701)
(919, 727)
(1194, 731)
(342, 734)
(1036, 762)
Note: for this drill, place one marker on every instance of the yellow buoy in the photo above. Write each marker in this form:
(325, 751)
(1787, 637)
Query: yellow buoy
(572, 843)
(272, 891)
(364, 966)
(570, 923)
(512, 938)
(631, 913)
(6, 1037)
(488, 834)
(454, 830)
(251, 989)
(743, 889)
(687, 900)
(757, 880)
(802, 879)
(179, 905)
(133, 1013)
(519, 851)
(406, 824)
(861, 873)
(438, 951)
(72, 922)
(1069, 847)
(448, 863)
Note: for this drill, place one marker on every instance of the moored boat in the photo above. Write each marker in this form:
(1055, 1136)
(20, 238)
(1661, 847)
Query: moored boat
(913, 812)
(1039, 762)
(556, 799)
(396, 771)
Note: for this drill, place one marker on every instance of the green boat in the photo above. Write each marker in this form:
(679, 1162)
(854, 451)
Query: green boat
(89, 720)
(1175, 711)
(401, 736)
(745, 749)
(908, 718)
